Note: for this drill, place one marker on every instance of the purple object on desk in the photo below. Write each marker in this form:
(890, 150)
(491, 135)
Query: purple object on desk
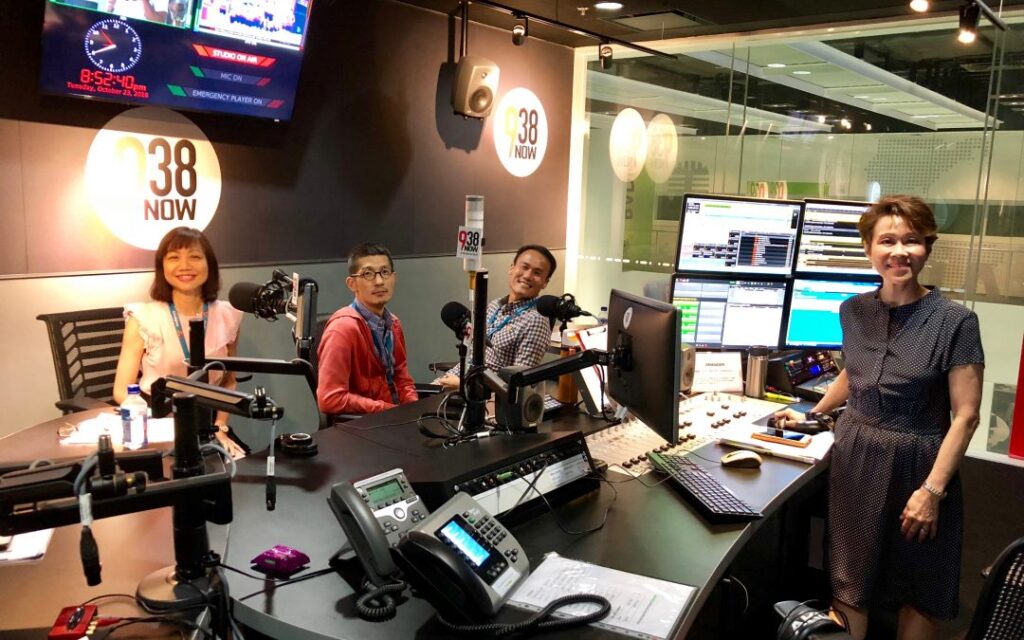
(281, 559)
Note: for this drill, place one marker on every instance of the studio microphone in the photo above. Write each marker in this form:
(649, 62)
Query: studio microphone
(562, 308)
(456, 317)
(263, 300)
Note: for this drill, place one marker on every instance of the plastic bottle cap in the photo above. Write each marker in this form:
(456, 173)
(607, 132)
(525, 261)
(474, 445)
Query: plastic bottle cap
(134, 388)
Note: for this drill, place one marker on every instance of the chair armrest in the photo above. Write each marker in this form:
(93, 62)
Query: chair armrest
(441, 367)
(74, 405)
(425, 389)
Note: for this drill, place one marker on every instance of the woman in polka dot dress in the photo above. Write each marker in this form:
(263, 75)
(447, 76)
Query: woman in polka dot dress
(912, 384)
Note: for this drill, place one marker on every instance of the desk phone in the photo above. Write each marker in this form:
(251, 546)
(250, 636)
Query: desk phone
(393, 503)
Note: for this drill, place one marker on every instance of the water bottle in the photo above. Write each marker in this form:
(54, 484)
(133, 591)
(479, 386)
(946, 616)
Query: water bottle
(602, 316)
(134, 419)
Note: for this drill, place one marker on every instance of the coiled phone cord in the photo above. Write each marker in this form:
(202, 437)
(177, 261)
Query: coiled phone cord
(540, 620)
(377, 604)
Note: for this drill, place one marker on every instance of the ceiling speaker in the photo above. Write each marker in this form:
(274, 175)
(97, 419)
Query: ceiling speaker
(475, 86)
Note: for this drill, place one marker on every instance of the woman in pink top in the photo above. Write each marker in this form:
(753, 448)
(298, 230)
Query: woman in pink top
(186, 280)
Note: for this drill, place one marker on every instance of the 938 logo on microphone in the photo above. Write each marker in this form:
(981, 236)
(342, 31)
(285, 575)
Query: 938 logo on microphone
(470, 242)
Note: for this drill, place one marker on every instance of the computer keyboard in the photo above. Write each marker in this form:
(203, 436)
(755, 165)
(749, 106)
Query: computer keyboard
(716, 503)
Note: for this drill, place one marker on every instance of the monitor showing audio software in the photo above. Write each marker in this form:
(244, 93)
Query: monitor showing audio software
(813, 318)
(729, 313)
(644, 335)
(829, 242)
(732, 234)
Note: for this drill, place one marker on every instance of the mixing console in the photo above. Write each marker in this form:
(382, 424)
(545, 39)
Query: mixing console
(625, 446)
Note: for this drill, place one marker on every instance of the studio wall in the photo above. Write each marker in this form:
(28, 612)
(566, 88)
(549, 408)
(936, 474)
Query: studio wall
(373, 153)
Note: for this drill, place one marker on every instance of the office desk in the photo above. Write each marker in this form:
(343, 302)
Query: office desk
(649, 531)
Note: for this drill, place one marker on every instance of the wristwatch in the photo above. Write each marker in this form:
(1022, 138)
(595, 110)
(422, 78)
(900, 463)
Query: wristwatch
(223, 428)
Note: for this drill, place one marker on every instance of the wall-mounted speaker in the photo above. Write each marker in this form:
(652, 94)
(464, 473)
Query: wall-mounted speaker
(528, 409)
(687, 364)
(475, 87)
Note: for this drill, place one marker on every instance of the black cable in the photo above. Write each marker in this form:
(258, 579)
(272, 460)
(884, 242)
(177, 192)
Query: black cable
(377, 604)
(542, 620)
(107, 595)
(558, 522)
(126, 622)
(285, 583)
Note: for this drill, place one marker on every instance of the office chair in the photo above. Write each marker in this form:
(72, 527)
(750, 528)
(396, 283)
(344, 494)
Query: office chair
(1000, 611)
(85, 346)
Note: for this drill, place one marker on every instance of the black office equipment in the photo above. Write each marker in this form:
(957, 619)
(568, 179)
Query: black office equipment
(643, 335)
(806, 374)
(999, 614)
(707, 495)
(727, 312)
(829, 242)
(85, 346)
(812, 316)
(735, 235)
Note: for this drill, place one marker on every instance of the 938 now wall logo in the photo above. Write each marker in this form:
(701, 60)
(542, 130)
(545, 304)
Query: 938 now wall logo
(520, 132)
(150, 170)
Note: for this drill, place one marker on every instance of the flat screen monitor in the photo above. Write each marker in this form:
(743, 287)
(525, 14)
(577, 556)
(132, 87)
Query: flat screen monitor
(647, 381)
(225, 56)
(731, 234)
(729, 313)
(829, 243)
(813, 318)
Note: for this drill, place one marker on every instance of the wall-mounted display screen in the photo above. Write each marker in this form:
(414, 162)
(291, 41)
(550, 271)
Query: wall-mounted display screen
(730, 234)
(813, 318)
(729, 313)
(829, 242)
(233, 56)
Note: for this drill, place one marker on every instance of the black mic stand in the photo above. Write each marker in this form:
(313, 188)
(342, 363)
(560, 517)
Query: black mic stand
(472, 384)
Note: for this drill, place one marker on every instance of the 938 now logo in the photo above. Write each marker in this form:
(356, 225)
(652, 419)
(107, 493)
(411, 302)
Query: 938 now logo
(520, 132)
(150, 170)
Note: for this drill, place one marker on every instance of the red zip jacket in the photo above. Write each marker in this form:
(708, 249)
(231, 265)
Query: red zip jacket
(352, 379)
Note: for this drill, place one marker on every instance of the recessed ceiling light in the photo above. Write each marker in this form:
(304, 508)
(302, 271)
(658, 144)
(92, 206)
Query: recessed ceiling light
(821, 119)
(777, 65)
(919, 6)
(801, 73)
(608, 6)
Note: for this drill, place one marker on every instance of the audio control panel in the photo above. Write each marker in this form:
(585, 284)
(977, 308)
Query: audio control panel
(702, 419)
(500, 489)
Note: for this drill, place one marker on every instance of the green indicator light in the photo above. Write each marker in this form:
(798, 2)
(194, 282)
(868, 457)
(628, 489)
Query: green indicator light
(197, 72)
(178, 91)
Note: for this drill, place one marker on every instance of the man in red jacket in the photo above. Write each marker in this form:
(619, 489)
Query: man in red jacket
(362, 355)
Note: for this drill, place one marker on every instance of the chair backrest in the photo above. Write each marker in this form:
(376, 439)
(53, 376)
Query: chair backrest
(85, 346)
(1000, 611)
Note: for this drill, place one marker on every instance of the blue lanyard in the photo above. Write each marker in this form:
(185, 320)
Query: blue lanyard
(491, 330)
(385, 353)
(181, 334)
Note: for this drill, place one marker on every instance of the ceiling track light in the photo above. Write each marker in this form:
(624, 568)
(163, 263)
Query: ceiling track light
(577, 30)
(970, 14)
(920, 6)
(520, 30)
(605, 53)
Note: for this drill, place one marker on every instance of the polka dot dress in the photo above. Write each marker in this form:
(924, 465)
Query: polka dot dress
(897, 361)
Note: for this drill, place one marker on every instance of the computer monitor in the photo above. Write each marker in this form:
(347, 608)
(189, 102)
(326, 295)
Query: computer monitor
(729, 313)
(813, 317)
(732, 234)
(829, 243)
(644, 336)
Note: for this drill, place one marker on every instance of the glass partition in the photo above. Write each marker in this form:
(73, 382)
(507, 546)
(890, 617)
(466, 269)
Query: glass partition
(842, 112)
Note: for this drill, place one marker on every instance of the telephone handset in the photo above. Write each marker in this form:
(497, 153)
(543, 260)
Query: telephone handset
(463, 561)
(460, 558)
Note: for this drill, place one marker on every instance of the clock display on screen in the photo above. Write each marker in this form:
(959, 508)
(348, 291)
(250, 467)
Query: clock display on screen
(113, 45)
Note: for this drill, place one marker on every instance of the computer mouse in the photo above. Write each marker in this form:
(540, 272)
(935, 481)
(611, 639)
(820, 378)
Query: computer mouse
(741, 459)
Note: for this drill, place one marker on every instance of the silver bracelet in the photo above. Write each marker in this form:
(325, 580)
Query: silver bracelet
(932, 490)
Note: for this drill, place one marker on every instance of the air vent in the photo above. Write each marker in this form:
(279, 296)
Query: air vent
(657, 21)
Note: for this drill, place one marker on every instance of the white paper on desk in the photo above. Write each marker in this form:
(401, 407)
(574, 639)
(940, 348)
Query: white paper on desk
(714, 371)
(642, 607)
(741, 436)
(109, 423)
(26, 547)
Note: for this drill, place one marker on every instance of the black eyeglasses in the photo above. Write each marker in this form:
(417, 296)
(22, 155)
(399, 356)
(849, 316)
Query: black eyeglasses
(370, 275)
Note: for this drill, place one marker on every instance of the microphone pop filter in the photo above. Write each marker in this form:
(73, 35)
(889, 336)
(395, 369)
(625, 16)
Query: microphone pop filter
(547, 306)
(455, 315)
(242, 296)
